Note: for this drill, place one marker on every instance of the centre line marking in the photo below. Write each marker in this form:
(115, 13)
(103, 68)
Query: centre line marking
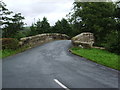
(59, 83)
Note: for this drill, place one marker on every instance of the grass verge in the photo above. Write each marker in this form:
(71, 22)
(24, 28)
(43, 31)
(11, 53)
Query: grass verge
(99, 56)
(9, 52)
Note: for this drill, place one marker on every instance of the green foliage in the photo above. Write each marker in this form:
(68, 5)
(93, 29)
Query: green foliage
(94, 17)
(11, 24)
(112, 39)
(33, 30)
(101, 18)
(4, 12)
(99, 56)
(27, 28)
(113, 42)
(12, 29)
(8, 52)
(20, 35)
(57, 27)
(40, 27)
(37, 27)
(62, 27)
(10, 43)
(44, 26)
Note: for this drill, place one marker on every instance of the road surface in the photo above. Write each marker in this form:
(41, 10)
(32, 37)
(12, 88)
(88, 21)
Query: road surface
(52, 66)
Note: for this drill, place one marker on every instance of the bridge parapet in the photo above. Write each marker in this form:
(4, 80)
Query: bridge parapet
(36, 40)
(84, 40)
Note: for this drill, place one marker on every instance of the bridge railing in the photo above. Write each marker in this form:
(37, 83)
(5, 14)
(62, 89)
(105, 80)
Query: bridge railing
(42, 38)
(85, 39)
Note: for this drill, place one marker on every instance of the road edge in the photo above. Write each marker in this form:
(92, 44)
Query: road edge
(104, 67)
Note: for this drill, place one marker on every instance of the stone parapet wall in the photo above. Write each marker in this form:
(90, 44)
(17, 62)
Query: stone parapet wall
(42, 38)
(84, 40)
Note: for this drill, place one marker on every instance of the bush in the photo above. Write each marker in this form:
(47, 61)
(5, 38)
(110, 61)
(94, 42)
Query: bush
(113, 43)
(20, 35)
(9, 43)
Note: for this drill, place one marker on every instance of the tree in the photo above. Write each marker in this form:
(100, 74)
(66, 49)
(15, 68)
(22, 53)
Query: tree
(113, 41)
(5, 14)
(62, 27)
(12, 28)
(33, 30)
(102, 19)
(97, 18)
(40, 27)
(45, 26)
(57, 27)
(10, 24)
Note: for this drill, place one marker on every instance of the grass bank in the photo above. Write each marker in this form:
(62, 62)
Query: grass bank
(99, 56)
(9, 52)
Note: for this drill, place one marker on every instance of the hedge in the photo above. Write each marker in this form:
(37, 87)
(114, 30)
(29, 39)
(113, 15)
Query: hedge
(9, 43)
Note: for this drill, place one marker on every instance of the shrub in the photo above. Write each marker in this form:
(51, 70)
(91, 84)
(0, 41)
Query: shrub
(9, 43)
(19, 35)
(113, 43)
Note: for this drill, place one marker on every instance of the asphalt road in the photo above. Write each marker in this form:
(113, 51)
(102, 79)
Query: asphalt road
(41, 66)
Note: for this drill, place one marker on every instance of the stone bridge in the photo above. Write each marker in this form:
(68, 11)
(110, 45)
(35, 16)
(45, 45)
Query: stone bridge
(36, 40)
(84, 40)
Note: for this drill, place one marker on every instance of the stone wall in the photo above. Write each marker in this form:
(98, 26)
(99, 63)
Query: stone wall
(84, 40)
(36, 40)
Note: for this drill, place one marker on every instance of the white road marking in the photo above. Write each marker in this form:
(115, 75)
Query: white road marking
(59, 83)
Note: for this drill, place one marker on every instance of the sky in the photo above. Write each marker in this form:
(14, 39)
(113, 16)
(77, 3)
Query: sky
(33, 10)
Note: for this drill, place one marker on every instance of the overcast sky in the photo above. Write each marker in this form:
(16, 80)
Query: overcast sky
(30, 9)
(33, 9)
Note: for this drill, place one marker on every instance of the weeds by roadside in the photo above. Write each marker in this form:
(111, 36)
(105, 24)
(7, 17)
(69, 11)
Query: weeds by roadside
(8, 52)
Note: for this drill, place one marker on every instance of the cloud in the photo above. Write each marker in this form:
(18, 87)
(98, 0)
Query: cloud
(34, 9)
(30, 9)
